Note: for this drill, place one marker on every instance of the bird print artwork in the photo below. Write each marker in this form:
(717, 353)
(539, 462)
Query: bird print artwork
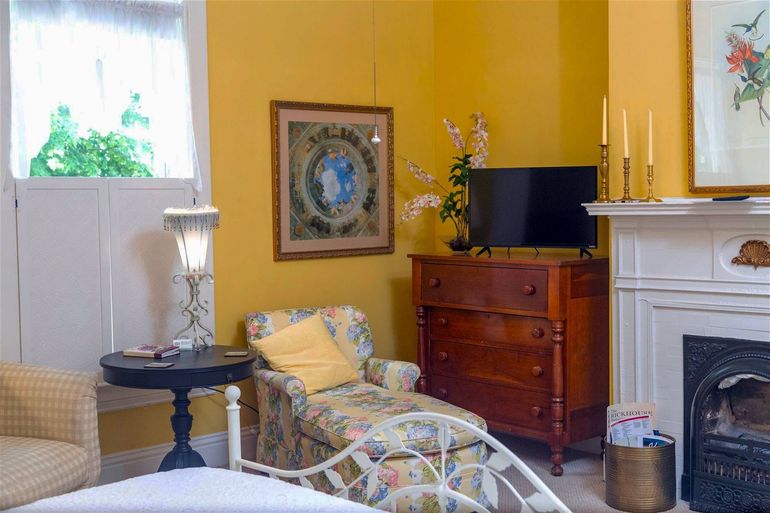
(751, 27)
(750, 64)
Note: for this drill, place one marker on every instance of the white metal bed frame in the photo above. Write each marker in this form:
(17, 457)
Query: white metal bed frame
(543, 500)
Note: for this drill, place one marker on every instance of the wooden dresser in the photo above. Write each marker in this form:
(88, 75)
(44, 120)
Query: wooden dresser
(522, 342)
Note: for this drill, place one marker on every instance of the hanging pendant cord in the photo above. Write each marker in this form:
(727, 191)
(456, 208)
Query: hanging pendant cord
(374, 57)
(376, 137)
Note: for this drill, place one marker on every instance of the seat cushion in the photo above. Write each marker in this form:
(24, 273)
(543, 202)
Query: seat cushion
(34, 468)
(343, 414)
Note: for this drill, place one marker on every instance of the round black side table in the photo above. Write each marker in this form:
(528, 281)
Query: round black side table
(191, 369)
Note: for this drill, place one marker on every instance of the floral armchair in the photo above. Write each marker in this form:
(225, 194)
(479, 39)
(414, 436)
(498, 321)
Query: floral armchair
(297, 430)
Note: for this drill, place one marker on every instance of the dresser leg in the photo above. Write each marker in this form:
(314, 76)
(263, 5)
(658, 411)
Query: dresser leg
(557, 458)
(422, 349)
(557, 400)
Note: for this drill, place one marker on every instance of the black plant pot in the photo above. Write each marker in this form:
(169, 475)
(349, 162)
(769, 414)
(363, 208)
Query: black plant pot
(459, 245)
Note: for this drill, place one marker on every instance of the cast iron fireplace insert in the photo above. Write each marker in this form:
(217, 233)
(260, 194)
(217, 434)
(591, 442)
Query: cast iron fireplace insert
(726, 456)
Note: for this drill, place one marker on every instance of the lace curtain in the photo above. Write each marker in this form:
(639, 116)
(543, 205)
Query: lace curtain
(94, 57)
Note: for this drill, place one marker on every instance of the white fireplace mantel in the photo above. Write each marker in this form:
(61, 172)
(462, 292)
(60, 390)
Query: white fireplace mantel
(682, 206)
(672, 274)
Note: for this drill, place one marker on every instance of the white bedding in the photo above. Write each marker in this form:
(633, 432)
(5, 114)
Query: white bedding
(196, 490)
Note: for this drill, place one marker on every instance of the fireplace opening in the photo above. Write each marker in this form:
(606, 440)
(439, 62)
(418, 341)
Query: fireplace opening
(735, 418)
(727, 425)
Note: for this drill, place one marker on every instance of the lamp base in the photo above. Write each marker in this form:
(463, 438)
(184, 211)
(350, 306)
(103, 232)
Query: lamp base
(200, 335)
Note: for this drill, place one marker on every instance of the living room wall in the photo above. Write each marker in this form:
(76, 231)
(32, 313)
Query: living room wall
(538, 71)
(648, 70)
(302, 51)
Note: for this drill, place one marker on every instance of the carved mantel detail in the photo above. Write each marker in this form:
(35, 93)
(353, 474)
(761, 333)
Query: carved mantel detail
(754, 252)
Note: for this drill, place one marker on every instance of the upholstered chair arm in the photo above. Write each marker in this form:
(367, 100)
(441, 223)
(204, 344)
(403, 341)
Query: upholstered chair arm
(275, 384)
(279, 397)
(392, 374)
(40, 402)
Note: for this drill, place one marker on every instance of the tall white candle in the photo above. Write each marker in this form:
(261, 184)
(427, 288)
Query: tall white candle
(649, 138)
(625, 135)
(604, 120)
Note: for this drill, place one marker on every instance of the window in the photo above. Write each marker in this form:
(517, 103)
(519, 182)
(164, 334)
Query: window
(100, 88)
(104, 95)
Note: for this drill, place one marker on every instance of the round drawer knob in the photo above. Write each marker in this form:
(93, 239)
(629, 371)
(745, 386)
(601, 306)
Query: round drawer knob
(537, 333)
(442, 393)
(528, 290)
(442, 356)
(537, 370)
(434, 282)
(443, 321)
(536, 411)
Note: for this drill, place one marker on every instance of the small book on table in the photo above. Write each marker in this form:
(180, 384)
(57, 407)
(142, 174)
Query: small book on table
(151, 351)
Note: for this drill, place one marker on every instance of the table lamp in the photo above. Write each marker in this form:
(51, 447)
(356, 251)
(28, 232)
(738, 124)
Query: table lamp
(192, 228)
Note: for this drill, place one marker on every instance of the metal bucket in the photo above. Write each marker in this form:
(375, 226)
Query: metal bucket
(641, 479)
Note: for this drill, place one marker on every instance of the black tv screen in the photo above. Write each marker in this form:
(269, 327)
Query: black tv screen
(532, 207)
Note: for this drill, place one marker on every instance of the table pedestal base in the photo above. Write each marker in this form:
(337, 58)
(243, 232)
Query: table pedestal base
(182, 455)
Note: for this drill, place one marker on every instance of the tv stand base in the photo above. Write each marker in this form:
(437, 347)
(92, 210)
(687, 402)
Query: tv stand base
(584, 251)
(483, 250)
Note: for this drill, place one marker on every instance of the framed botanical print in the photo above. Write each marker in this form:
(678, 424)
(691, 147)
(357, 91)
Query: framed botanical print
(332, 186)
(728, 50)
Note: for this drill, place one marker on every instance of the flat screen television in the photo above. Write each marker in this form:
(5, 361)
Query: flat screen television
(532, 207)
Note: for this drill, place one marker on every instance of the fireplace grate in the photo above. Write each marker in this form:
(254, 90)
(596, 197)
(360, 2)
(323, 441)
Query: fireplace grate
(736, 458)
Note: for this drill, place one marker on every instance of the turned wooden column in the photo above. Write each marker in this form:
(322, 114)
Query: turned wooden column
(422, 349)
(557, 399)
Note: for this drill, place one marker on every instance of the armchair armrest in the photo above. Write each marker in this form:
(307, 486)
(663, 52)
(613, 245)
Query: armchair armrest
(42, 402)
(271, 385)
(392, 374)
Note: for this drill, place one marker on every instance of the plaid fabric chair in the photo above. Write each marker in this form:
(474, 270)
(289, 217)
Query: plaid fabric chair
(49, 441)
(297, 430)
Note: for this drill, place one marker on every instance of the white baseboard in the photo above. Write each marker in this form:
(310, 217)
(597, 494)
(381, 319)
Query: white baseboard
(213, 448)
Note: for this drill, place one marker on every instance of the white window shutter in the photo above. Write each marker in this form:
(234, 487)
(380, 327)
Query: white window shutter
(145, 302)
(95, 268)
(64, 272)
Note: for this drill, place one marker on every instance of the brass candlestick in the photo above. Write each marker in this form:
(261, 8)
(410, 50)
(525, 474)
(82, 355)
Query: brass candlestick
(626, 186)
(650, 178)
(604, 169)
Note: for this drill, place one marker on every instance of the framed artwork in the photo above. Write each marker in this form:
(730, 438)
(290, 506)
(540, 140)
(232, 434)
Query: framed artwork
(332, 186)
(728, 86)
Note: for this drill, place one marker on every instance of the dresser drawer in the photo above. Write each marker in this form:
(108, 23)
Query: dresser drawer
(490, 327)
(500, 366)
(496, 287)
(496, 403)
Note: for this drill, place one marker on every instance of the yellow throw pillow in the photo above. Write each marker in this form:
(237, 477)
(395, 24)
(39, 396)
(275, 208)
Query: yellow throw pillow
(308, 351)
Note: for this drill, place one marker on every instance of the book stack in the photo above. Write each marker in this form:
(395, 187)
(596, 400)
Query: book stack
(151, 351)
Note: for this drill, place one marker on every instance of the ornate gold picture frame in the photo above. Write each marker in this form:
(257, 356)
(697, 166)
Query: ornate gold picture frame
(728, 95)
(332, 186)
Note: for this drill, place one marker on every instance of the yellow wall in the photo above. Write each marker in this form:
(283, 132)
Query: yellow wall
(537, 69)
(648, 70)
(304, 51)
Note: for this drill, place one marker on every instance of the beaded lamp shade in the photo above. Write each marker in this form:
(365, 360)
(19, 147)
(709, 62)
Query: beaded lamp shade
(192, 227)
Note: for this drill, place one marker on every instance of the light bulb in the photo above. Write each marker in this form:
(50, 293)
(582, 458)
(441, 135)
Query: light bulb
(376, 137)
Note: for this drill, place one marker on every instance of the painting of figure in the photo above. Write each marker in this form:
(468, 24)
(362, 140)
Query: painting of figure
(333, 184)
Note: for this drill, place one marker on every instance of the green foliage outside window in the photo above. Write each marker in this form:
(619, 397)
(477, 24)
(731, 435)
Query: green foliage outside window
(114, 154)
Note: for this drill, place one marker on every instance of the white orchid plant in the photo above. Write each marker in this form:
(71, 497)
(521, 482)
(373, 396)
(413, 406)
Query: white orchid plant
(453, 201)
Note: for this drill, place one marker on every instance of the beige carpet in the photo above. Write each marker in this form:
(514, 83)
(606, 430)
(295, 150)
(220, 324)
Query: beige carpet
(581, 487)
